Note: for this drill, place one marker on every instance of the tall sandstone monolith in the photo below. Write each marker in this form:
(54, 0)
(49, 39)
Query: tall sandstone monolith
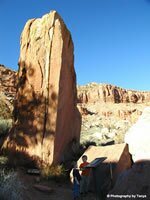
(46, 120)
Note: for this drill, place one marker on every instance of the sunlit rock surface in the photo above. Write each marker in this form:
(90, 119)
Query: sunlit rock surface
(46, 119)
(138, 137)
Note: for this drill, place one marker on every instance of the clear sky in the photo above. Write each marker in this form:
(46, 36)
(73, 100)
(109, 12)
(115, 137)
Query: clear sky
(111, 37)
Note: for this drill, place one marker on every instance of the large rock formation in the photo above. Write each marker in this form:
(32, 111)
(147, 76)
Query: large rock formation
(46, 119)
(108, 93)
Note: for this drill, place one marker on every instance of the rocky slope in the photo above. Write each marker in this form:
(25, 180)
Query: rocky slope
(8, 82)
(7, 91)
(108, 111)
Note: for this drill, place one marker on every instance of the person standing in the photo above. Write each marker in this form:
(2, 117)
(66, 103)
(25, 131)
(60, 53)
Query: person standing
(76, 182)
(85, 172)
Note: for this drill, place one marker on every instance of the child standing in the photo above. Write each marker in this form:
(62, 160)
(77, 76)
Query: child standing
(76, 182)
(84, 176)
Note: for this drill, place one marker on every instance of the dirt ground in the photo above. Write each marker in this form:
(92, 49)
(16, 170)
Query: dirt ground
(59, 190)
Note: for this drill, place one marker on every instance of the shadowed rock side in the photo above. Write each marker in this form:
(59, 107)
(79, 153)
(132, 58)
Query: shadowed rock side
(133, 183)
(46, 119)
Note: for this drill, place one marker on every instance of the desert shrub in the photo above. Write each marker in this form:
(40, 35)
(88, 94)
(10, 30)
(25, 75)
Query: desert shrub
(3, 160)
(10, 185)
(5, 125)
(56, 172)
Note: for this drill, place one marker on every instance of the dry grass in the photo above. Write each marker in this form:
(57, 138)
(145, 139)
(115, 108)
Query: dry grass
(53, 172)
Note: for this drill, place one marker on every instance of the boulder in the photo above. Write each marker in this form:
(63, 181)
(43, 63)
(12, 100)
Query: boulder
(133, 183)
(138, 137)
(46, 119)
(117, 155)
(115, 159)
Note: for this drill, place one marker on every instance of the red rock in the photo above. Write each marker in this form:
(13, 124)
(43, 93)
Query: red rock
(46, 117)
(110, 94)
(134, 182)
(8, 81)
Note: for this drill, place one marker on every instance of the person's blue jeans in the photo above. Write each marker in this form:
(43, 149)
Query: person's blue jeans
(84, 184)
(76, 190)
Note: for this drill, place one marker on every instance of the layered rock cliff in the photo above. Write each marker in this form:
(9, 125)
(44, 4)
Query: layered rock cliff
(108, 93)
(46, 119)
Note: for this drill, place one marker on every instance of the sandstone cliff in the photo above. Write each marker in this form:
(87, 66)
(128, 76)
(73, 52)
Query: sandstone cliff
(108, 93)
(46, 119)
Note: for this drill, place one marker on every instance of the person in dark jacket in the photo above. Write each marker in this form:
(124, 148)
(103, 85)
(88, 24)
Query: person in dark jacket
(76, 182)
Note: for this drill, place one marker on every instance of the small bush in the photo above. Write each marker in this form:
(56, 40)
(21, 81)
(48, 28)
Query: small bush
(5, 125)
(3, 160)
(10, 186)
(53, 172)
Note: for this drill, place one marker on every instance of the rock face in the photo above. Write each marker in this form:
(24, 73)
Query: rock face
(8, 82)
(138, 137)
(111, 94)
(46, 119)
(133, 183)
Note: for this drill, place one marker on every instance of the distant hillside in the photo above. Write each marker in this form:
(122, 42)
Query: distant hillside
(108, 111)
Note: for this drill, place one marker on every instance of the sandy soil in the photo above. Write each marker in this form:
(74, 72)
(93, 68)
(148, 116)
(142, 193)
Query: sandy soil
(59, 191)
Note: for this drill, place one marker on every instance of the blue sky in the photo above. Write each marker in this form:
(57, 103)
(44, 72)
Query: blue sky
(111, 37)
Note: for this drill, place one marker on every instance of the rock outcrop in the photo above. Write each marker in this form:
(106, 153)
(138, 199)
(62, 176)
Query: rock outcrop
(46, 119)
(133, 183)
(138, 137)
(108, 93)
(8, 82)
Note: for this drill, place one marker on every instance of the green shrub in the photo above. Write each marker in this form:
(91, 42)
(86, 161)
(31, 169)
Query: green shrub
(3, 160)
(5, 125)
(10, 185)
